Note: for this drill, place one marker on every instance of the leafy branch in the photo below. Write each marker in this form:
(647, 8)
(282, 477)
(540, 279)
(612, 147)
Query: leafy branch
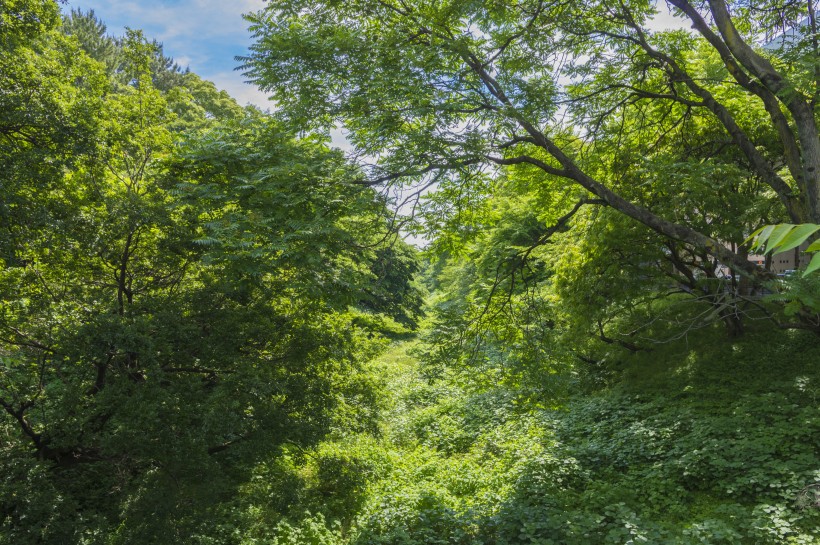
(771, 239)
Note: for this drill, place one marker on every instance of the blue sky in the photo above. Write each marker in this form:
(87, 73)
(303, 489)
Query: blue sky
(204, 35)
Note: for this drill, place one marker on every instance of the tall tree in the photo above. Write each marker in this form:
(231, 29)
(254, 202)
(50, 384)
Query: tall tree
(174, 296)
(90, 32)
(49, 111)
(443, 93)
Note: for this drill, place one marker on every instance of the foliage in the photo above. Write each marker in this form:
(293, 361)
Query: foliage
(311, 531)
(91, 34)
(49, 113)
(391, 291)
(686, 133)
(176, 292)
(195, 303)
(781, 238)
(693, 445)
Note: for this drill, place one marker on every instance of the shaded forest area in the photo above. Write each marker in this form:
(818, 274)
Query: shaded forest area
(211, 331)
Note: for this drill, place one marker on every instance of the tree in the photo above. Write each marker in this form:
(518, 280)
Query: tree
(90, 32)
(175, 296)
(391, 292)
(49, 107)
(447, 93)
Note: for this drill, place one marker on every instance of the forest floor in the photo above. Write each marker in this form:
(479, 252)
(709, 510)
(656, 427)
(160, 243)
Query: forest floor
(717, 442)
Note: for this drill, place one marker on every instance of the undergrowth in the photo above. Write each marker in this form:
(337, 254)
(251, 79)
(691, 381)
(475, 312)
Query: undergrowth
(713, 443)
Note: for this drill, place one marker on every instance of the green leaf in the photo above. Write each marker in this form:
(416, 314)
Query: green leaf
(798, 236)
(813, 266)
(754, 236)
(779, 233)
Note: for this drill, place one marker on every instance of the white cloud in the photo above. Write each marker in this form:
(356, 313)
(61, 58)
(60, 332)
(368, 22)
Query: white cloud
(197, 19)
(183, 60)
(244, 93)
(338, 139)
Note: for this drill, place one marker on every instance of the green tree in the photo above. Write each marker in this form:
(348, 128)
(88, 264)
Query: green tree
(391, 291)
(175, 297)
(446, 93)
(49, 108)
(90, 32)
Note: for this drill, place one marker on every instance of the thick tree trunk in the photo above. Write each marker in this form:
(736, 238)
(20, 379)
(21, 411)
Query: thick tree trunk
(802, 142)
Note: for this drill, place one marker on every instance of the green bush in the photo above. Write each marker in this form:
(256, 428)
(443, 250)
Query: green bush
(691, 443)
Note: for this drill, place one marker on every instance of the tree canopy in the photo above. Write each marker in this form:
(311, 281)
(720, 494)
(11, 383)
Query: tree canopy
(211, 331)
(181, 289)
(586, 95)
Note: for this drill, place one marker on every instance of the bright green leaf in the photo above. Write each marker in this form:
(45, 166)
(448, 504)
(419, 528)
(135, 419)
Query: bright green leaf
(798, 236)
(779, 233)
(813, 266)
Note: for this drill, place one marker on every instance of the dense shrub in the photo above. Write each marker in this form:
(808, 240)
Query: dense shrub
(710, 443)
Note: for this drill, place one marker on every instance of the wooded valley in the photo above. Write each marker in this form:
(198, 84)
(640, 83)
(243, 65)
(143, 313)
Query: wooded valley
(539, 300)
